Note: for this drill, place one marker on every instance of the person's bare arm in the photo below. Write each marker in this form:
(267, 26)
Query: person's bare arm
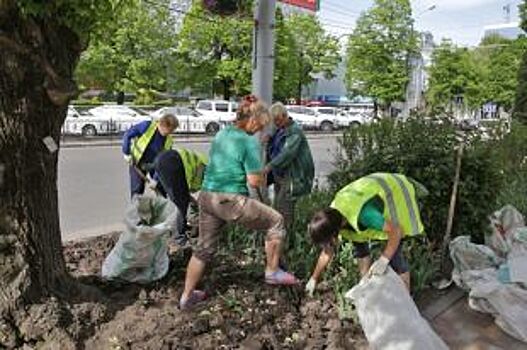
(394, 238)
(323, 261)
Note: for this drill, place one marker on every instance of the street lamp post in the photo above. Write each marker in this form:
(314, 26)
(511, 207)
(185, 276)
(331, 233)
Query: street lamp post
(429, 8)
(263, 50)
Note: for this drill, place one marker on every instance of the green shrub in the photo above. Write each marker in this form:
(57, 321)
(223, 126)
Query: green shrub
(342, 275)
(299, 254)
(163, 103)
(512, 160)
(144, 97)
(84, 102)
(426, 151)
(424, 260)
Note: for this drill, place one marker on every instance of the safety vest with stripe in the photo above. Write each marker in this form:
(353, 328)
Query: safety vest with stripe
(194, 164)
(140, 144)
(400, 206)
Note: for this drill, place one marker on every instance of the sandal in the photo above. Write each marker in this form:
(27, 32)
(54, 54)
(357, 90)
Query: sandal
(280, 277)
(196, 297)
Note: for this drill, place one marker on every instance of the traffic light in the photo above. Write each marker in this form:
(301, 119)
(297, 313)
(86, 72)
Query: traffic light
(223, 7)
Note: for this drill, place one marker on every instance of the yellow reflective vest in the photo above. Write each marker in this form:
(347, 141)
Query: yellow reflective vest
(397, 194)
(140, 144)
(194, 163)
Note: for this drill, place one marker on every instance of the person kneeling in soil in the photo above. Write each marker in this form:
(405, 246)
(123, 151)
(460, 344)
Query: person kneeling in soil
(142, 143)
(180, 172)
(379, 206)
(234, 161)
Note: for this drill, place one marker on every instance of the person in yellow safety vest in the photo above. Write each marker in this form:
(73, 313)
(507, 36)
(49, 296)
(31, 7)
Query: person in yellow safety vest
(180, 172)
(379, 206)
(141, 145)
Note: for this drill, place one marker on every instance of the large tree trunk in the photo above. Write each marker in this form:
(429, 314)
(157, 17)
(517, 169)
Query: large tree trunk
(36, 66)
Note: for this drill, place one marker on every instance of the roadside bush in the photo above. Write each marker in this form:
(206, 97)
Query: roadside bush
(426, 151)
(95, 101)
(144, 97)
(299, 254)
(512, 160)
(424, 260)
(163, 103)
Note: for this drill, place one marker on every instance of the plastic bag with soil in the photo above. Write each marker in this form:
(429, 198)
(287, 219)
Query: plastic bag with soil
(389, 317)
(141, 254)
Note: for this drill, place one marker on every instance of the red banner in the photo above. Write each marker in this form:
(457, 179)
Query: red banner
(307, 4)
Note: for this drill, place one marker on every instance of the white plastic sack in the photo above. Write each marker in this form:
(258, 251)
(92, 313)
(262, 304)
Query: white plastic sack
(140, 254)
(502, 223)
(506, 302)
(389, 317)
(469, 256)
(517, 257)
(496, 276)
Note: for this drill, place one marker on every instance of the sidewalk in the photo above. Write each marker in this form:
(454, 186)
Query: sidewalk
(463, 328)
(111, 141)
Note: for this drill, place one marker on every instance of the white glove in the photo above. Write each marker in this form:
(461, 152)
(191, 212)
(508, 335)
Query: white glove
(151, 183)
(310, 286)
(127, 158)
(379, 266)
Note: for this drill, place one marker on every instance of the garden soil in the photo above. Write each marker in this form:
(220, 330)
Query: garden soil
(241, 312)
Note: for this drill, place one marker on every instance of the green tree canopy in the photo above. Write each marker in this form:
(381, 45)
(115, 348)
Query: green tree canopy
(487, 73)
(215, 53)
(314, 50)
(520, 103)
(523, 15)
(454, 77)
(379, 49)
(499, 59)
(134, 52)
(286, 66)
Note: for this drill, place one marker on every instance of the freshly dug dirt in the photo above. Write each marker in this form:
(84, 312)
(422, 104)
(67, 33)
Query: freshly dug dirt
(241, 312)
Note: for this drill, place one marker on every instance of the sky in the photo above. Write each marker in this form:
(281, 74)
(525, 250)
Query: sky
(460, 20)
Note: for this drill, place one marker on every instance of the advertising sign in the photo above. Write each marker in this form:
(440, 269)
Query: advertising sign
(312, 5)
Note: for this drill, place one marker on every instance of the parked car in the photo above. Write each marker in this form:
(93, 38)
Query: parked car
(122, 116)
(328, 118)
(190, 120)
(81, 122)
(353, 119)
(217, 112)
(303, 116)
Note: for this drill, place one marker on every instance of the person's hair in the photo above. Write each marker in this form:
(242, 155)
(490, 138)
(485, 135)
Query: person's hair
(252, 107)
(278, 109)
(324, 225)
(169, 121)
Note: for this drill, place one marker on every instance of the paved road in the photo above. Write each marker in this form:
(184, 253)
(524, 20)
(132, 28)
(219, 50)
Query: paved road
(93, 184)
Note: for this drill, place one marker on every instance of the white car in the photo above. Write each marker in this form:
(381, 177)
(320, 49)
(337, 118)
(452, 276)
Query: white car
(221, 111)
(328, 118)
(123, 117)
(81, 122)
(190, 120)
(351, 119)
(303, 116)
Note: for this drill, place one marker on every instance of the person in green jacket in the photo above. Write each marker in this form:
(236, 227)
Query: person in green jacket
(379, 206)
(290, 165)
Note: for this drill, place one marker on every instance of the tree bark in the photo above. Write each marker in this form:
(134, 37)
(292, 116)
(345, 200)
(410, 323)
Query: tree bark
(37, 61)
